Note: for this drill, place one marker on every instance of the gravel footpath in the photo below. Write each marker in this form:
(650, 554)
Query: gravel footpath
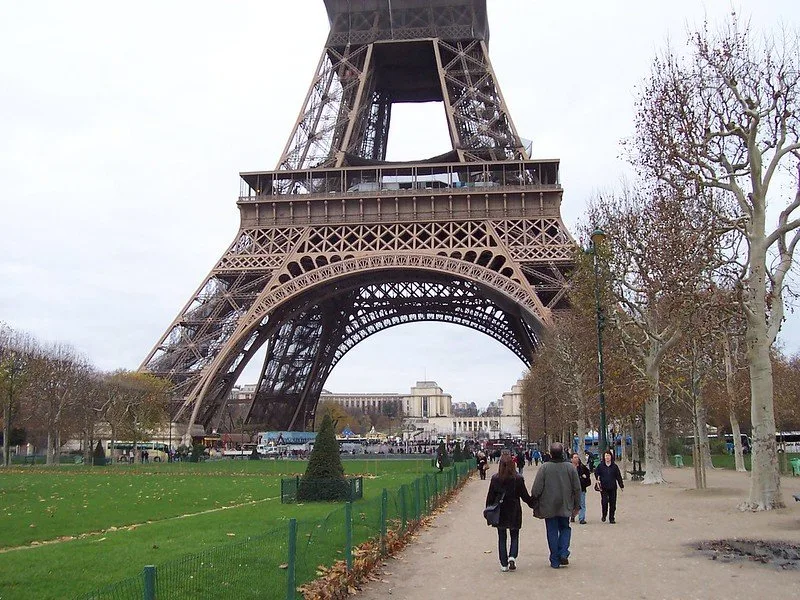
(650, 553)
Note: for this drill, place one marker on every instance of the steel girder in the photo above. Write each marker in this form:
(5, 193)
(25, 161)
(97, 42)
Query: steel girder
(348, 106)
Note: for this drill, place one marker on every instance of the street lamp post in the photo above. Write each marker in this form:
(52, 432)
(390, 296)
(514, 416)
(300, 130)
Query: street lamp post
(598, 235)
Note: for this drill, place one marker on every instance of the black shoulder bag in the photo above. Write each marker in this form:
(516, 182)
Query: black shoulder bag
(492, 512)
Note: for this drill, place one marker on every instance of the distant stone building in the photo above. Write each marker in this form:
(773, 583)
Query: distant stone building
(428, 412)
(425, 400)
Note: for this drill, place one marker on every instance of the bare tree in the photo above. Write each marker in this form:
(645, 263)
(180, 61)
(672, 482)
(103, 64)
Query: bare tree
(56, 377)
(659, 251)
(16, 350)
(725, 117)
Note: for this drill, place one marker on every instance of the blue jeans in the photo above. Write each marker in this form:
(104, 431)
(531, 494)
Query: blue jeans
(558, 537)
(582, 513)
(502, 545)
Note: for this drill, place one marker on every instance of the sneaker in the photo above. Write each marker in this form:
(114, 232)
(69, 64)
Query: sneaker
(583, 521)
(503, 568)
(563, 561)
(512, 564)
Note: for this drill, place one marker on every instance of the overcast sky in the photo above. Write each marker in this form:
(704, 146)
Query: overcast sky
(123, 127)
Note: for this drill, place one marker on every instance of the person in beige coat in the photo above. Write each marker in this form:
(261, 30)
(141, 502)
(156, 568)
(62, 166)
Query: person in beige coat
(556, 496)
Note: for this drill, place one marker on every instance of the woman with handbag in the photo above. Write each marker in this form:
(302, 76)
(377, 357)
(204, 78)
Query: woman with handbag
(608, 476)
(504, 511)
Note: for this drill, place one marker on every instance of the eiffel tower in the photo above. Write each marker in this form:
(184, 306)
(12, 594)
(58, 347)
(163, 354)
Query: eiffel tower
(338, 244)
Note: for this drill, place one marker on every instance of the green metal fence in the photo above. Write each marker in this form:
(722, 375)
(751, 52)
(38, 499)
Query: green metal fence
(273, 564)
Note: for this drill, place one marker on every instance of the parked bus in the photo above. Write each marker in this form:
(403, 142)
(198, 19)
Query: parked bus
(156, 451)
(688, 442)
(788, 441)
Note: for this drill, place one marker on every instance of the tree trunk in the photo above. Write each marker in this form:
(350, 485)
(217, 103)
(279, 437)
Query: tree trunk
(49, 452)
(653, 459)
(738, 452)
(697, 449)
(765, 481)
(580, 424)
(7, 432)
(623, 466)
(702, 430)
(730, 390)
(113, 441)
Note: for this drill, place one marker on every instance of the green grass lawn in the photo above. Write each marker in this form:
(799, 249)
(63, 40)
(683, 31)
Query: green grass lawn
(145, 504)
(726, 461)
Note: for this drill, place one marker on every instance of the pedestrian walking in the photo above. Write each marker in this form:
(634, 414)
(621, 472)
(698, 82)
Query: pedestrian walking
(608, 476)
(537, 456)
(520, 460)
(585, 479)
(507, 487)
(556, 496)
(482, 464)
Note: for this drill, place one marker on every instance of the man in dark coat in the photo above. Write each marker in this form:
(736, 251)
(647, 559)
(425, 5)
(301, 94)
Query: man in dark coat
(556, 497)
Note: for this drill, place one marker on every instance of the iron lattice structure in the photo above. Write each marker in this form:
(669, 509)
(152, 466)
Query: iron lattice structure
(337, 244)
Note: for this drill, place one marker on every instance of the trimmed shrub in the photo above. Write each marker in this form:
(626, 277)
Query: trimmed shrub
(441, 456)
(324, 477)
(99, 455)
(458, 454)
(197, 452)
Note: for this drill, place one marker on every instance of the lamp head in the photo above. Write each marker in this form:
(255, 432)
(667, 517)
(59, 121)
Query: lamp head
(598, 235)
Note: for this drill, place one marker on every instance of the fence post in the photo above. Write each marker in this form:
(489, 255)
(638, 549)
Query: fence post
(427, 495)
(417, 500)
(290, 578)
(348, 534)
(384, 510)
(436, 488)
(150, 582)
(403, 514)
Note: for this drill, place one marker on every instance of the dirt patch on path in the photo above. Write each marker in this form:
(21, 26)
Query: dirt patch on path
(781, 555)
(651, 553)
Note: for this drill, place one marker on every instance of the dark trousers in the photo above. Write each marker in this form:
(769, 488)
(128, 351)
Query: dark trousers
(502, 545)
(608, 500)
(559, 535)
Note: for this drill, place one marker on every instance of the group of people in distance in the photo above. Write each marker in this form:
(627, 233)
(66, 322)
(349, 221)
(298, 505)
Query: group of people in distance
(558, 496)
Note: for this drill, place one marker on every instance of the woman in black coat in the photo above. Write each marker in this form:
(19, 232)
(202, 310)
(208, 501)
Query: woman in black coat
(608, 475)
(511, 487)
